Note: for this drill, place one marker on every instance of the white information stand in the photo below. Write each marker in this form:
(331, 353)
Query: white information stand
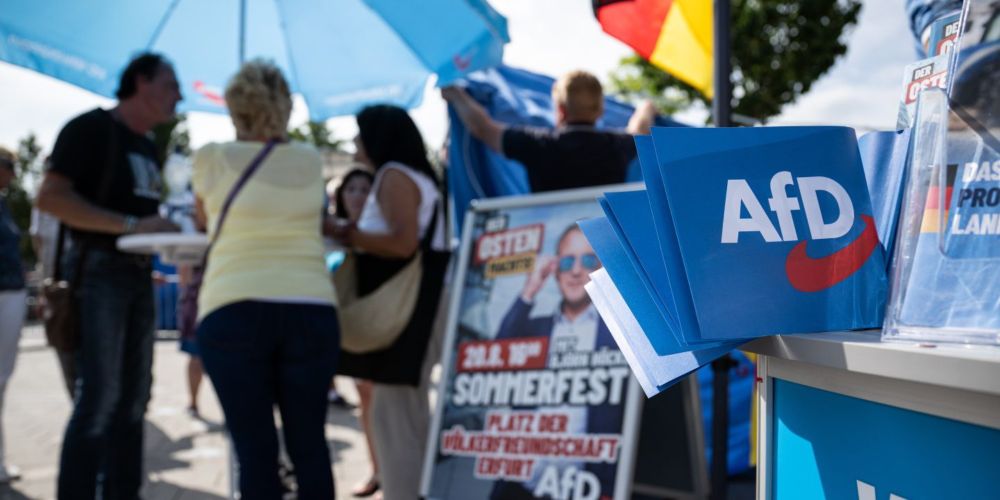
(845, 415)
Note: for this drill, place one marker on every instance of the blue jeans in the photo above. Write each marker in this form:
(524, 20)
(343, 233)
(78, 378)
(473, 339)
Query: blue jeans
(102, 449)
(262, 354)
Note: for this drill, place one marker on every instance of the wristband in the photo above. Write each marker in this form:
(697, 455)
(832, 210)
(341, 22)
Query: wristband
(129, 225)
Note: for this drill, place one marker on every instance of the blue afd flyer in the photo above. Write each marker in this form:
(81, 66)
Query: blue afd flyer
(775, 228)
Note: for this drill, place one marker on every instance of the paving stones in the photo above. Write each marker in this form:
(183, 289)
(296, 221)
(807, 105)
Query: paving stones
(186, 458)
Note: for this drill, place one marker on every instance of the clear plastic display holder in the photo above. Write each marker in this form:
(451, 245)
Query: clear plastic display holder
(945, 276)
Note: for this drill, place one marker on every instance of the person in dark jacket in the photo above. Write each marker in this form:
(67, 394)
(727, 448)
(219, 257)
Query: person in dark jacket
(575, 153)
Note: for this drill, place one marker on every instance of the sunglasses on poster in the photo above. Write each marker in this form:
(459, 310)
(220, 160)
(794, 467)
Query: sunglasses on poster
(588, 261)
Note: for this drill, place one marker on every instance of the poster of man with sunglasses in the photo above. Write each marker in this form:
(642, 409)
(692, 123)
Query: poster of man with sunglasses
(535, 390)
(576, 325)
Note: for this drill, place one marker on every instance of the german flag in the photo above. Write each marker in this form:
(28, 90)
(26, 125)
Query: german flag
(934, 211)
(674, 35)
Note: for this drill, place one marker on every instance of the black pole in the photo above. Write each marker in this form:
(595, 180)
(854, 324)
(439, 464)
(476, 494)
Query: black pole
(722, 116)
(720, 427)
(243, 31)
(722, 102)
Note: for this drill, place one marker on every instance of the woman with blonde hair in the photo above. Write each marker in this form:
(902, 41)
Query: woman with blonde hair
(268, 331)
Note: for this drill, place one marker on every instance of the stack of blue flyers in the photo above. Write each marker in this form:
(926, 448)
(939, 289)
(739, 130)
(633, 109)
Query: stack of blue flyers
(884, 155)
(738, 234)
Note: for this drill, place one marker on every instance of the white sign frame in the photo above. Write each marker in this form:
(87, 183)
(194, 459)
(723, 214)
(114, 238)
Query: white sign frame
(632, 411)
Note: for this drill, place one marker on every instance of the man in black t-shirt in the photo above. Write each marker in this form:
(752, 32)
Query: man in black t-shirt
(574, 154)
(103, 182)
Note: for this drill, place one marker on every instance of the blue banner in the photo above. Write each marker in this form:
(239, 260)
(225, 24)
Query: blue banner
(513, 97)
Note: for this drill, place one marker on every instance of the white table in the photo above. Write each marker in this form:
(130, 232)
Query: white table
(844, 415)
(173, 248)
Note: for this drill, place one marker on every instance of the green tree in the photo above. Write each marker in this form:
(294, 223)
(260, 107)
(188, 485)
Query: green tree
(29, 170)
(779, 49)
(317, 134)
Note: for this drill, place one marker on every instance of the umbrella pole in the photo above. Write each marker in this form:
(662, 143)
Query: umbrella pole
(243, 29)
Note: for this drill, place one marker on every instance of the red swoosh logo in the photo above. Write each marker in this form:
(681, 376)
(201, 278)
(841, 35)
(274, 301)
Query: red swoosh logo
(807, 274)
(214, 98)
(462, 63)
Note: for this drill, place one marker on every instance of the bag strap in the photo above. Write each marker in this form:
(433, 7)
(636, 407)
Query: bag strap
(60, 242)
(237, 187)
(428, 239)
(102, 198)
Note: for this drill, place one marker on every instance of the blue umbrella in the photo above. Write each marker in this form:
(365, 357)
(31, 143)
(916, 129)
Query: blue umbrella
(339, 54)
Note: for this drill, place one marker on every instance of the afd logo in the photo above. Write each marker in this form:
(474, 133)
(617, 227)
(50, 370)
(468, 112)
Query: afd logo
(867, 492)
(805, 273)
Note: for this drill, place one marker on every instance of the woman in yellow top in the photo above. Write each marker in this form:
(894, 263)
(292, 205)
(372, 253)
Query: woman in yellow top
(268, 331)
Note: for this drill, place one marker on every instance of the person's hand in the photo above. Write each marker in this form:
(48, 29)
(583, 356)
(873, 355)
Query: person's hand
(544, 266)
(647, 107)
(159, 278)
(341, 230)
(452, 93)
(155, 224)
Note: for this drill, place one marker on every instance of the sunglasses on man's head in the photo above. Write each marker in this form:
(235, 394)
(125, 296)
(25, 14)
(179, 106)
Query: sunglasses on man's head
(588, 261)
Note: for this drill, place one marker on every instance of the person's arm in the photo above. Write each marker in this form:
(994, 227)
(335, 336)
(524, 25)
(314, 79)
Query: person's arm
(57, 197)
(475, 118)
(399, 198)
(516, 322)
(200, 219)
(545, 266)
(37, 244)
(642, 119)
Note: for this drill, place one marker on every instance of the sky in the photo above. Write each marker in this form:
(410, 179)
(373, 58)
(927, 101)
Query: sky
(551, 37)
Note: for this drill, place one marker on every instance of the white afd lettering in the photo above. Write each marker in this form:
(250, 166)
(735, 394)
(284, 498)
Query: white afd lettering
(782, 205)
(808, 187)
(572, 484)
(867, 492)
(739, 195)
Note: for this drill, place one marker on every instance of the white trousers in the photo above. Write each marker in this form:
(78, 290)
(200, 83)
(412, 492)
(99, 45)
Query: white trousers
(400, 420)
(12, 309)
(401, 417)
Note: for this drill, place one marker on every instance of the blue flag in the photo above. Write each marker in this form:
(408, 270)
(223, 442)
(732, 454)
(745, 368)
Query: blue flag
(775, 229)
(513, 97)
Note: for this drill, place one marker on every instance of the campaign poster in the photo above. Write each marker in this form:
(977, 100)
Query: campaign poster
(917, 77)
(535, 399)
(943, 35)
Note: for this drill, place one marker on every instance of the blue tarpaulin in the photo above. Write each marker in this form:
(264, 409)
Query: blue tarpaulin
(514, 97)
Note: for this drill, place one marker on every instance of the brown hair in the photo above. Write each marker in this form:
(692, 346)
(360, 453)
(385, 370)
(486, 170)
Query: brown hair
(581, 95)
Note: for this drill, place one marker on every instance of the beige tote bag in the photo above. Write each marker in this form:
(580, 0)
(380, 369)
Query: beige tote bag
(374, 322)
